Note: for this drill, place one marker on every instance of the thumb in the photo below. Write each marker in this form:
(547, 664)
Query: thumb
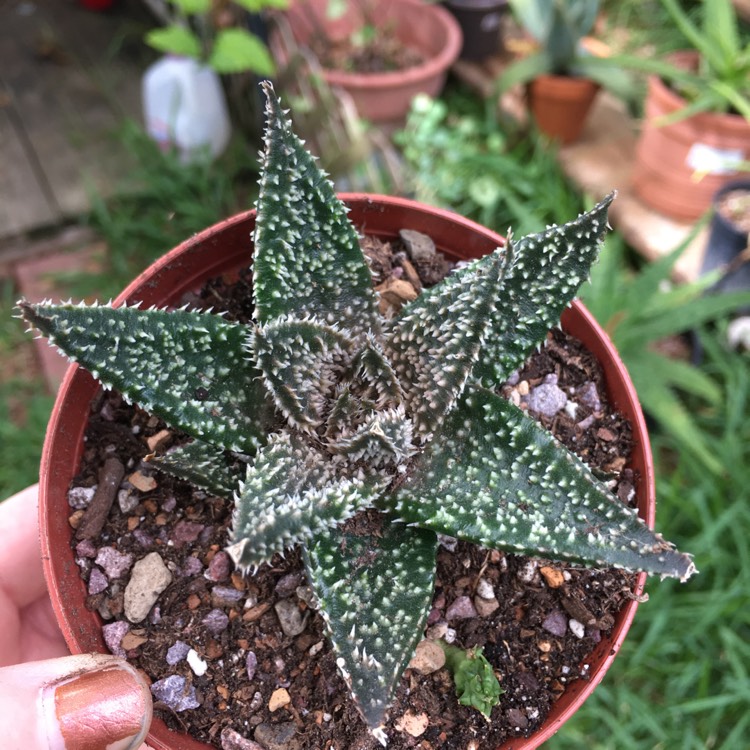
(86, 702)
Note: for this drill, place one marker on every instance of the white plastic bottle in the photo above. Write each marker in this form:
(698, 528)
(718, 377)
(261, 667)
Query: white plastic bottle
(184, 107)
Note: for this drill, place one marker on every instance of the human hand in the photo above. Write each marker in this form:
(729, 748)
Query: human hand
(48, 699)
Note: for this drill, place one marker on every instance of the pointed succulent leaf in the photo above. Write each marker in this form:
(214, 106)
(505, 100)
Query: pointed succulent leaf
(385, 438)
(187, 367)
(307, 255)
(374, 593)
(494, 477)
(301, 362)
(435, 342)
(289, 495)
(543, 277)
(374, 373)
(204, 465)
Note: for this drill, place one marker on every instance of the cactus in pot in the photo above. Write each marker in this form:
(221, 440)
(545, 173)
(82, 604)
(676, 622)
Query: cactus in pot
(360, 439)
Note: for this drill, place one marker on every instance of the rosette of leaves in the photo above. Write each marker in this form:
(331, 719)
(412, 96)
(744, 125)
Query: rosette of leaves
(361, 439)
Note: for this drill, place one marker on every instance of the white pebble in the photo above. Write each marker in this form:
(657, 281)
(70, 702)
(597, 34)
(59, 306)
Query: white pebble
(197, 664)
(577, 628)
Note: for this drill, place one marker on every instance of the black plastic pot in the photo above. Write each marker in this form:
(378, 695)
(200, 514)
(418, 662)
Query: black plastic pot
(480, 22)
(726, 241)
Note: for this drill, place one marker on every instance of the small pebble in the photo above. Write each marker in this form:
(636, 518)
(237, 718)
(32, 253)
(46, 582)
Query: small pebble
(428, 657)
(80, 497)
(220, 567)
(127, 501)
(577, 628)
(231, 740)
(449, 542)
(176, 693)
(148, 578)
(225, 596)
(185, 532)
(554, 577)
(547, 399)
(251, 664)
(485, 607)
(114, 562)
(413, 724)
(485, 589)
(571, 408)
(461, 609)
(113, 634)
(450, 635)
(192, 567)
(527, 572)
(290, 618)
(198, 665)
(177, 652)
(436, 631)
(143, 538)
(279, 699)
(421, 247)
(142, 482)
(287, 585)
(216, 621)
(97, 582)
(517, 718)
(588, 395)
(86, 548)
(275, 736)
(556, 623)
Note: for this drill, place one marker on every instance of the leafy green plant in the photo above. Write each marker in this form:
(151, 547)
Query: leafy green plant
(336, 413)
(721, 80)
(476, 683)
(193, 31)
(638, 311)
(558, 27)
(455, 156)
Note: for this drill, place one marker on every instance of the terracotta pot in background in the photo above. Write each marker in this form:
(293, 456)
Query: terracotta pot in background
(224, 249)
(669, 158)
(383, 97)
(560, 105)
(480, 22)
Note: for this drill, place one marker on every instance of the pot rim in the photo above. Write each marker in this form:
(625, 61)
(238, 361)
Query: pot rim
(60, 566)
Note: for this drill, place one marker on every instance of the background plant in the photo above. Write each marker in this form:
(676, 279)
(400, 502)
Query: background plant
(212, 32)
(457, 157)
(638, 310)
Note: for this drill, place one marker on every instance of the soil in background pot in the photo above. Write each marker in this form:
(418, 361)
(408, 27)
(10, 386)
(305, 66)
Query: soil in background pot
(227, 653)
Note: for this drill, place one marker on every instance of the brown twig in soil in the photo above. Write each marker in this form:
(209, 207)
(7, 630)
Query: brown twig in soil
(95, 516)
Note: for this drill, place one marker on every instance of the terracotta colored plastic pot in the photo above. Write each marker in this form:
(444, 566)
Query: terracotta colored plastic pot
(560, 105)
(480, 22)
(670, 158)
(383, 97)
(224, 249)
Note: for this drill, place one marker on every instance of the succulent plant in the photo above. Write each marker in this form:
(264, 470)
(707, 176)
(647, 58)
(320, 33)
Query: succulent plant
(361, 439)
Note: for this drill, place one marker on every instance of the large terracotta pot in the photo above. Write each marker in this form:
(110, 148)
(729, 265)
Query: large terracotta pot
(670, 160)
(560, 105)
(383, 97)
(226, 248)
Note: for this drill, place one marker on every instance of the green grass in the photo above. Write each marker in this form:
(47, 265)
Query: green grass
(682, 679)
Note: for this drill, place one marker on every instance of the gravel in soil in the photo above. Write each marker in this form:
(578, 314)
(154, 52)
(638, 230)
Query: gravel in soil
(236, 659)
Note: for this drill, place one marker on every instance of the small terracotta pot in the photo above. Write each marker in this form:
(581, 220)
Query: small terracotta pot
(668, 158)
(226, 248)
(480, 22)
(560, 105)
(383, 97)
